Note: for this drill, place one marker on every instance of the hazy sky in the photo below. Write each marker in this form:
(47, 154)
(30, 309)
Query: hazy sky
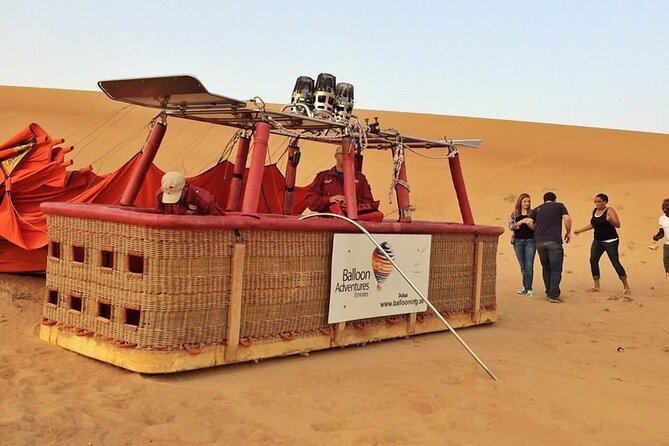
(591, 63)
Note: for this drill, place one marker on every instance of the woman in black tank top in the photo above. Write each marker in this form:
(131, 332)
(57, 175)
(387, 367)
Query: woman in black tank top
(605, 221)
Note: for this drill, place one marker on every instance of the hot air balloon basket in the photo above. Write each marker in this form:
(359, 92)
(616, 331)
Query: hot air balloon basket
(164, 299)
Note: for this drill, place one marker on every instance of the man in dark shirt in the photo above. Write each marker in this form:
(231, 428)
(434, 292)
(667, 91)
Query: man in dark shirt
(547, 220)
(175, 196)
(328, 188)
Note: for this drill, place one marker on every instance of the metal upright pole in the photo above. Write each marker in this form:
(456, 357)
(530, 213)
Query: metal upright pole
(291, 170)
(347, 146)
(235, 193)
(254, 180)
(460, 190)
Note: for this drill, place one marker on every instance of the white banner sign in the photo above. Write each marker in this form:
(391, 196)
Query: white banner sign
(364, 283)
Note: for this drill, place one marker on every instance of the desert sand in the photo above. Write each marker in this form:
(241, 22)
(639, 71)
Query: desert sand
(593, 370)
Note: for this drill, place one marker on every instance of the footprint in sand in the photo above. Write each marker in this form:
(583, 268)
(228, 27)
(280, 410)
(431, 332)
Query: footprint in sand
(625, 298)
(328, 426)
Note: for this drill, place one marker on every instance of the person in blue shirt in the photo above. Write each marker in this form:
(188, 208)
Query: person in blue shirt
(547, 220)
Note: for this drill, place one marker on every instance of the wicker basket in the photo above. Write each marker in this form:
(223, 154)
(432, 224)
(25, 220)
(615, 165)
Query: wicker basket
(165, 289)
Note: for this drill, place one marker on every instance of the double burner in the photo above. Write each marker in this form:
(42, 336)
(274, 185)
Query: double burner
(324, 98)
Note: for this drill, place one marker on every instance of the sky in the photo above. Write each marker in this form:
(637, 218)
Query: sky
(588, 63)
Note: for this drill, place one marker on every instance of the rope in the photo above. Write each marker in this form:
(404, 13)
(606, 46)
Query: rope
(283, 148)
(398, 162)
(197, 140)
(276, 191)
(227, 150)
(18, 215)
(103, 120)
(452, 152)
(362, 131)
(134, 135)
(117, 115)
(260, 105)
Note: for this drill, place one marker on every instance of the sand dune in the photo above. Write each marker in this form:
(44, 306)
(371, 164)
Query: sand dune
(590, 371)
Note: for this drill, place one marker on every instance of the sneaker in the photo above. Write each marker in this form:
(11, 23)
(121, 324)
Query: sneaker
(529, 293)
(554, 300)
(521, 292)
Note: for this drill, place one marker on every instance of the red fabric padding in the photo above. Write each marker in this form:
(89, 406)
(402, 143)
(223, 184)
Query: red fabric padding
(18, 260)
(364, 213)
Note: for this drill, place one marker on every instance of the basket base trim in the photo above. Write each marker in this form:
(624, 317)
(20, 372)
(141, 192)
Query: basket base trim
(152, 361)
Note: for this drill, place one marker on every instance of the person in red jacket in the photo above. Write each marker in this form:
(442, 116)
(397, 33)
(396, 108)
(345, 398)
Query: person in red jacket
(327, 189)
(175, 196)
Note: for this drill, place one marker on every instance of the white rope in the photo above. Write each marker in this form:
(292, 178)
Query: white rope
(362, 131)
(398, 162)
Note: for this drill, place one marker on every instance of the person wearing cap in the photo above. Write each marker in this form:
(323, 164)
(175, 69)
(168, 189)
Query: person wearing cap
(175, 196)
(327, 189)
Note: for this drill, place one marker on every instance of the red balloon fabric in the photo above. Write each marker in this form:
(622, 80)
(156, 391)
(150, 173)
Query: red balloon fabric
(35, 171)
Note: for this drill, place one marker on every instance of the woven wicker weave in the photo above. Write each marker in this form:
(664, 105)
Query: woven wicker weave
(180, 290)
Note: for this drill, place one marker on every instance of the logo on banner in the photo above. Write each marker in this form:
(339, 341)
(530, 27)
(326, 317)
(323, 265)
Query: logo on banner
(381, 266)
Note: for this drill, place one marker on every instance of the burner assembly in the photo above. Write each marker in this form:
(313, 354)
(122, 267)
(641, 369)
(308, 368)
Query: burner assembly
(324, 98)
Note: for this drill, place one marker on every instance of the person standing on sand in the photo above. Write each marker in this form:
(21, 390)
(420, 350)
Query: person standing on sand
(547, 220)
(664, 232)
(604, 221)
(523, 241)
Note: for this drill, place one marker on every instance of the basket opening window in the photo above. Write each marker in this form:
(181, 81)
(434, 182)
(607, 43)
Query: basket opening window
(132, 316)
(78, 254)
(106, 258)
(104, 310)
(52, 297)
(54, 249)
(136, 263)
(76, 302)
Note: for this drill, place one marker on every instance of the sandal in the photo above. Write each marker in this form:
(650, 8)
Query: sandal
(592, 289)
(627, 292)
